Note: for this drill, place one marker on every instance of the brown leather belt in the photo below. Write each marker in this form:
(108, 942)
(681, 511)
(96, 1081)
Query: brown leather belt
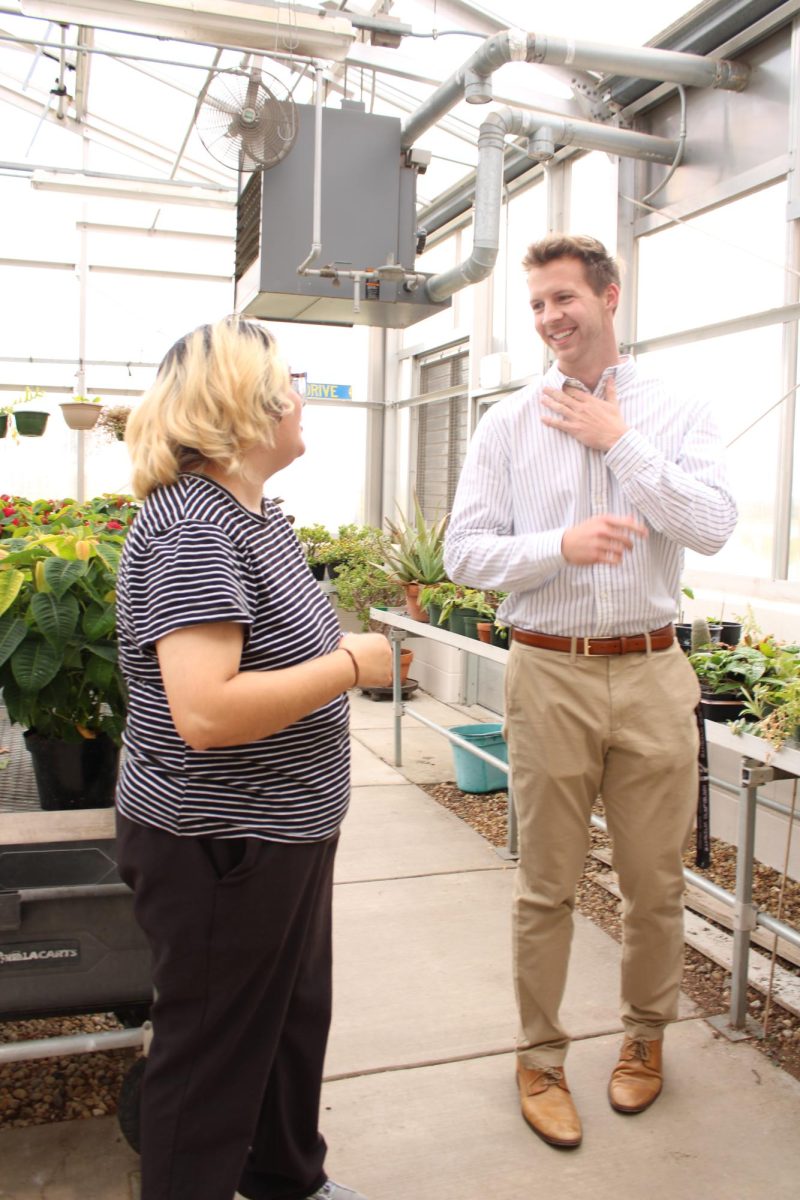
(660, 639)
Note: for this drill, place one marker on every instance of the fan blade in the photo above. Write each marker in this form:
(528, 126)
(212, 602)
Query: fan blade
(228, 107)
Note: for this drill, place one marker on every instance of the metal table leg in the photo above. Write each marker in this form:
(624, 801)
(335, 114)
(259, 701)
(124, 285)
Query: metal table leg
(397, 637)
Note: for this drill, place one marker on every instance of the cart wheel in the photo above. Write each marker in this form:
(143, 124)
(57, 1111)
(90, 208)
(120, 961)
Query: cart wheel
(128, 1104)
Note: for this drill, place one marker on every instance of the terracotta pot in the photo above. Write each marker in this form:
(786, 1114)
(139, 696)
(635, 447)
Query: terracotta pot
(484, 631)
(406, 658)
(412, 603)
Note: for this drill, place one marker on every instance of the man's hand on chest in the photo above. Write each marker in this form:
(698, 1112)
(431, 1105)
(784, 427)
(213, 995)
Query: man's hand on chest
(592, 421)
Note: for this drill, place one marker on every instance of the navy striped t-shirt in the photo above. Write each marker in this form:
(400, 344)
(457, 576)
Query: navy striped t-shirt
(195, 555)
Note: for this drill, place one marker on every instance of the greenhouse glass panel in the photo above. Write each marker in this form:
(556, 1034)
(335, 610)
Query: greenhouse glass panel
(741, 376)
(720, 265)
(526, 222)
(593, 198)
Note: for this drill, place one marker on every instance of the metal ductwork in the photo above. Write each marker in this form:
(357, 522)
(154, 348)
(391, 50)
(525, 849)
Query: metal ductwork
(358, 267)
(471, 80)
(544, 132)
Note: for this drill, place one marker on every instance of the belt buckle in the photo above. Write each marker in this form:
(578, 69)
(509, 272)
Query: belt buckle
(587, 653)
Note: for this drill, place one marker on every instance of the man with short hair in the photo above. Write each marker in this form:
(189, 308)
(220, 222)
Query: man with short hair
(578, 497)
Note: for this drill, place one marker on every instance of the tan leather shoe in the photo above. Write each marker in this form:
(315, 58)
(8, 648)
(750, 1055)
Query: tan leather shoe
(547, 1105)
(637, 1078)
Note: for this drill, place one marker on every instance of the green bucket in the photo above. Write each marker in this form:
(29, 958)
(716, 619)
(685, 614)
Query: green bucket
(472, 773)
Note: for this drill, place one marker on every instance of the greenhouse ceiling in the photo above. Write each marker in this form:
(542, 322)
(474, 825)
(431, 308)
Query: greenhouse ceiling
(133, 77)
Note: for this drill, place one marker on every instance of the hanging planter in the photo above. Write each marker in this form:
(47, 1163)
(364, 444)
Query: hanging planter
(81, 413)
(112, 422)
(30, 423)
(3, 424)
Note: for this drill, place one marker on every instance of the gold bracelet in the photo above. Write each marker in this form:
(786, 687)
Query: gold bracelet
(353, 661)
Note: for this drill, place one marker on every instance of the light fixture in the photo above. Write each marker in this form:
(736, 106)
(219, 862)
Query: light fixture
(152, 191)
(270, 28)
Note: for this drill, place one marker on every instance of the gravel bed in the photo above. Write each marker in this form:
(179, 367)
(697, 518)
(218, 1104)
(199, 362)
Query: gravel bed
(87, 1085)
(707, 984)
(60, 1089)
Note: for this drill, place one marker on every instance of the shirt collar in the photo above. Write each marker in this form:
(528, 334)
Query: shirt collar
(622, 372)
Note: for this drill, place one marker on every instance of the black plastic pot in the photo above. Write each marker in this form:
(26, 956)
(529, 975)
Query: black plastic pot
(471, 617)
(30, 423)
(721, 708)
(730, 633)
(457, 621)
(683, 634)
(3, 424)
(74, 774)
(317, 570)
(434, 612)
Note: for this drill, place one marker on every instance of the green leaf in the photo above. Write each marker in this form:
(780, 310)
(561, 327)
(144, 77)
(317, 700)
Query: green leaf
(61, 573)
(110, 555)
(12, 632)
(34, 664)
(103, 650)
(57, 617)
(98, 623)
(10, 583)
(99, 672)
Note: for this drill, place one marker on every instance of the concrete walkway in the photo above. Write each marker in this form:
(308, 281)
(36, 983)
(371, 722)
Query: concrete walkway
(420, 1101)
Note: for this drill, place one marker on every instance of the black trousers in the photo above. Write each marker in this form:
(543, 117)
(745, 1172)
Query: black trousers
(240, 932)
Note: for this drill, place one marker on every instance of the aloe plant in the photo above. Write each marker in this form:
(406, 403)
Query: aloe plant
(416, 553)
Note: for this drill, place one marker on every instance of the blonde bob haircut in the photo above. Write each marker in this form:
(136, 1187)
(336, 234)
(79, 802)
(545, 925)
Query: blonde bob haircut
(218, 392)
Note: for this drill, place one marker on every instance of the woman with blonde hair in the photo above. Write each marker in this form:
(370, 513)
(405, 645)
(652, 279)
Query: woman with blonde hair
(235, 779)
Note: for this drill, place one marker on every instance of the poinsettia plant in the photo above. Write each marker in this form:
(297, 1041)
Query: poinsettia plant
(20, 517)
(58, 652)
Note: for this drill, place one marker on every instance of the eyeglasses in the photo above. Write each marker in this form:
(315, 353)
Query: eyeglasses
(299, 384)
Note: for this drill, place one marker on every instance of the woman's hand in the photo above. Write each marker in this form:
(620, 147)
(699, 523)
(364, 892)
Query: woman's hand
(373, 655)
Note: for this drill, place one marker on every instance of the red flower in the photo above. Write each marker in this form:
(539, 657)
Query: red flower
(15, 521)
(9, 510)
(114, 525)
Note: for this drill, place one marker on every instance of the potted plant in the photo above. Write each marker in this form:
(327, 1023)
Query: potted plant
(470, 607)
(81, 412)
(771, 707)
(112, 422)
(350, 545)
(728, 673)
(58, 658)
(29, 422)
(416, 555)
(490, 629)
(313, 538)
(500, 635)
(362, 585)
(437, 599)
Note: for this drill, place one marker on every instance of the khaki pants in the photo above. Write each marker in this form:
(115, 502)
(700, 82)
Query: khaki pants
(623, 726)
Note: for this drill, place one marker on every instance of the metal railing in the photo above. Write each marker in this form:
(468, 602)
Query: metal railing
(756, 771)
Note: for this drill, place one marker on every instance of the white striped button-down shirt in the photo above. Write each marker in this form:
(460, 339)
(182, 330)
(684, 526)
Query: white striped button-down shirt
(524, 484)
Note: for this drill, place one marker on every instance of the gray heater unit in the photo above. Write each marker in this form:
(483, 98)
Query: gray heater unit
(362, 270)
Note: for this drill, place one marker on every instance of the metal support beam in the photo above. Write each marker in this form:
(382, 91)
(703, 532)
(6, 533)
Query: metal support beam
(784, 479)
(753, 775)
